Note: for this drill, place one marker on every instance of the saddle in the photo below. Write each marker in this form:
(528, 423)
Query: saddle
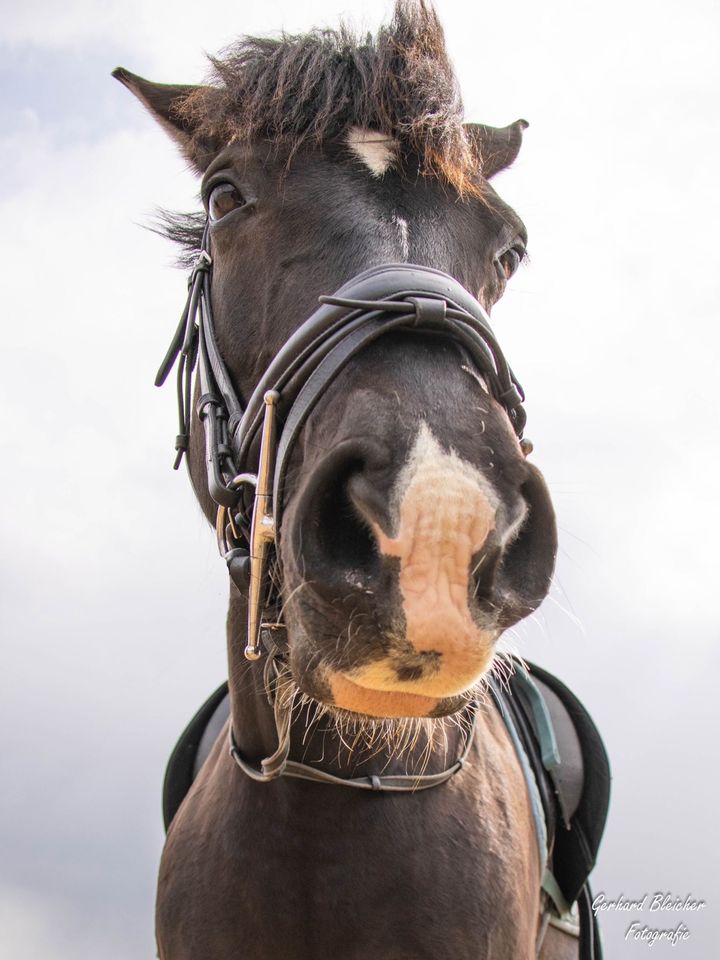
(563, 759)
(571, 770)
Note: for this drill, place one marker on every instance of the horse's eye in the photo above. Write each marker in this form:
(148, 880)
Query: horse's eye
(509, 260)
(223, 199)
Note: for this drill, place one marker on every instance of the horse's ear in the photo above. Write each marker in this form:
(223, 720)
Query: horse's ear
(165, 102)
(498, 147)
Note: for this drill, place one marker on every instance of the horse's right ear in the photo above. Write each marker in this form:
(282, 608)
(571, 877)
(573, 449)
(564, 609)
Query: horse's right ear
(165, 102)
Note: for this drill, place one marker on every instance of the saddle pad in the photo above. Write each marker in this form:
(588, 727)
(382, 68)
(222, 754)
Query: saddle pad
(582, 784)
(192, 750)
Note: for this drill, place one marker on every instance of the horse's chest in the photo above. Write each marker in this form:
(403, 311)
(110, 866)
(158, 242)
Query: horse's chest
(308, 872)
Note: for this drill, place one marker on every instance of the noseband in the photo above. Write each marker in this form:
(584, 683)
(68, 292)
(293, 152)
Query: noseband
(248, 447)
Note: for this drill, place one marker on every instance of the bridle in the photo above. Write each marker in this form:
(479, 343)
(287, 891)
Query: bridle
(247, 447)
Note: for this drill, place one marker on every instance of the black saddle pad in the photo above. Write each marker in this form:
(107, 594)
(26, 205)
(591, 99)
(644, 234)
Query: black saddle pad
(588, 784)
(192, 750)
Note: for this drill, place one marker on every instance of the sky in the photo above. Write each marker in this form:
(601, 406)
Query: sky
(112, 596)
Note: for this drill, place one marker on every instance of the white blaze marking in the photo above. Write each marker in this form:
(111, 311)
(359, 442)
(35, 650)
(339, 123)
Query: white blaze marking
(445, 510)
(376, 150)
(402, 226)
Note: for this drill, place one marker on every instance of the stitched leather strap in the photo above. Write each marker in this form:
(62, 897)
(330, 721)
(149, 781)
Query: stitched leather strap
(313, 389)
(278, 764)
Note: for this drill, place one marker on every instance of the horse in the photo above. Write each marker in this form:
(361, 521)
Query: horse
(364, 466)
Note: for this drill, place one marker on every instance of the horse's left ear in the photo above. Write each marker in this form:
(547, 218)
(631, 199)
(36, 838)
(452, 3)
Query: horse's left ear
(498, 147)
(165, 101)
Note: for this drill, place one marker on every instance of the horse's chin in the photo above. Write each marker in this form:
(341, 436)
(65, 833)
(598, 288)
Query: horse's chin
(356, 698)
(338, 692)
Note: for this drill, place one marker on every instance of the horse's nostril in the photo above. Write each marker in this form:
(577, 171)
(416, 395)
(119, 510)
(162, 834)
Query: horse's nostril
(368, 499)
(332, 539)
(335, 533)
(484, 568)
(523, 577)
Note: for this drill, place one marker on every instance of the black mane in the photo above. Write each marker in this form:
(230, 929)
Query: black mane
(184, 229)
(311, 88)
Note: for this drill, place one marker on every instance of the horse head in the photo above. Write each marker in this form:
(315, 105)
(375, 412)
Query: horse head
(414, 529)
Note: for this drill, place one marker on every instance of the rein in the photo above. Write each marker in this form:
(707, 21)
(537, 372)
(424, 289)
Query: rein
(248, 446)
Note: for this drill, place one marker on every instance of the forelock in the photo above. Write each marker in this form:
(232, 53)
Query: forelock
(312, 88)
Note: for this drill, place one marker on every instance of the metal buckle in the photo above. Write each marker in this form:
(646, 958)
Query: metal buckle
(201, 265)
(262, 530)
(224, 518)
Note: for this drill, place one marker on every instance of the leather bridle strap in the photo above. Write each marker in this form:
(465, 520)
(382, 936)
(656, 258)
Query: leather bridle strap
(431, 315)
(318, 382)
(279, 764)
(219, 408)
(385, 783)
(407, 298)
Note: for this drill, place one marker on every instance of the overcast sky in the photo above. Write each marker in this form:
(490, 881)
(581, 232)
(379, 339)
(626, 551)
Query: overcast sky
(113, 598)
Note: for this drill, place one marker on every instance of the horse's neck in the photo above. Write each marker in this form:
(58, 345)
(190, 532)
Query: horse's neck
(251, 716)
(413, 746)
